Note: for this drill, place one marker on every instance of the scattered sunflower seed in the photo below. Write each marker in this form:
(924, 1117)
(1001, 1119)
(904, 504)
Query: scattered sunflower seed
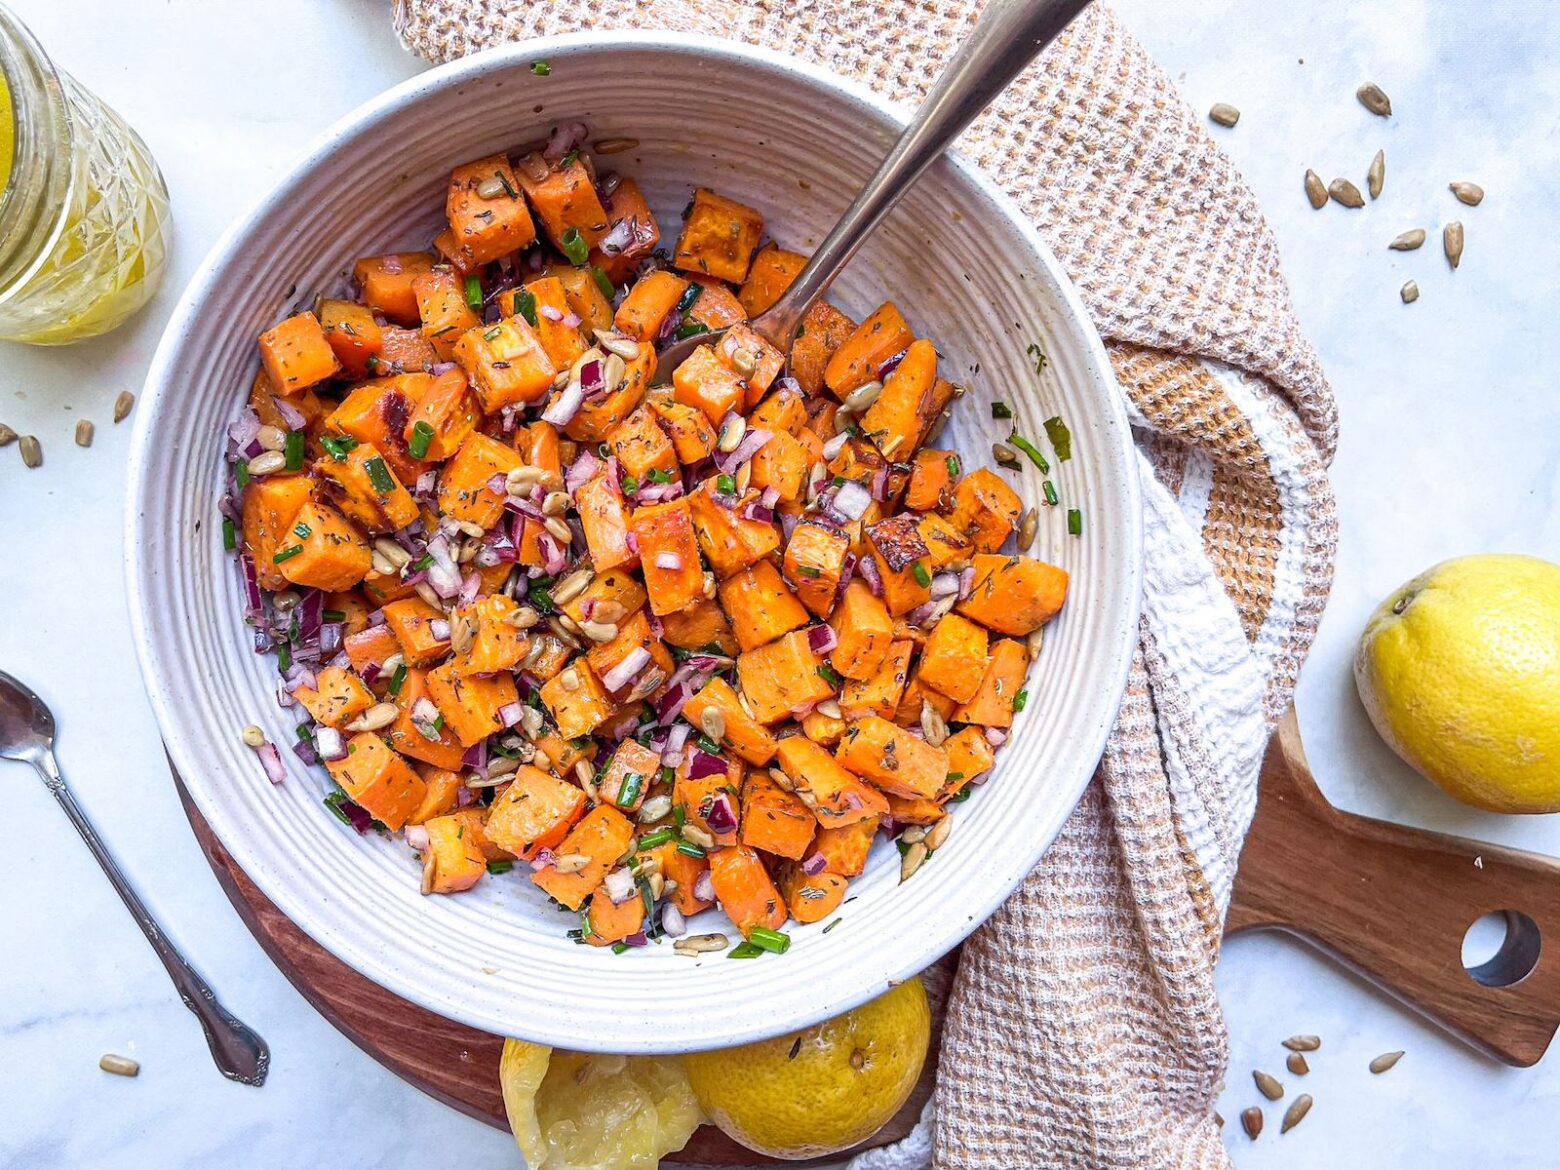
(1027, 529)
(1377, 174)
(913, 834)
(1374, 100)
(698, 944)
(1005, 455)
(122, 405)
(1385, 1061)
(1346, 193)
(1295, 1114)
(120, 1066)
(1218, 1119)
(84, 431)
(614, 145)
(939, 834)
(253, 736)
(1409, 240)
(267, 463)
(1251, 1122)
(1268, 1085)
(380, 715)
(7, 435)
(1410, 292)
(912, 860)
(1035, 643)
(1452, 242)
(1296, 1063)
(571, 862)
(1224, 114)
(933, 726)
(571, 586)
(490, 188)
(32, 451)
(1315, 190)
(1303, 1043)
(1470, 193)
(713, 724)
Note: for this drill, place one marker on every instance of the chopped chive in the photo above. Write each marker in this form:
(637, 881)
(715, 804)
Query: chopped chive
(398, 680)
(337, 447)
(574, 245)
(922, 577)
(1061, 438)
(294, 450)
(954, 777)
(332, 615)
(1031, 450)
(423, 562)
(689, 849)
(630, 485)
(809, 571)
(955, 469)
(541, 68)
(619, 947)
(744, 950)
(629, 790)
(1000, 409)
(287, 554)
(438, 723)
(832, 925)
(1019, 700)
(303, 732)
(229, 535)
(474, 291)
(726, 485)
(707, 745)
(962, 795)
(334, 801)
(649, 898)
(491, 333)
(657, 475)
(690, 294)
(603, 282)
(585, 928)
(829, 675)
(1075, 521)
(1050, 492)
(422, 438)
(500, 866)
(691, 329)
(284, 658)
(773, 941)
(302, 531)
(679, 814)
(651, 840)
(525, 305)
(241, 473)
(379, 475)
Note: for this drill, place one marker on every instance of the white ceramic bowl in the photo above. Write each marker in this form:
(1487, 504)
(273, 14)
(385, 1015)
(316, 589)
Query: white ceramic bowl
(796, 143)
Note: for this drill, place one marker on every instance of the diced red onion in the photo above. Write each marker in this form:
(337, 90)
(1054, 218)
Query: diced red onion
(271, 761)
(627, 670)
(619, 239)
(417, 837)
(438, 369)
(673, 924)
(835, 445)
(330, 743)
(619, 886)
(427, 482)
(304, 750)
(424, 711)
(668, 560)
(243, 429)
(330, 637)
(550, 312)
(770, 497)
(498, 483)
(852, 801)
(704, 887)
(656, 627)
(966, 582)
(291, 415)
(391, 263)
(822, 638)
(476, 757)
(464, 797)
(637, 939)
(592, 380)
(254, 600)
(676, 738)
(722, 817)
(801, 712)
(851, 500)
(572, 320)
(757, 512)
(995, 736)
(815, 864)
(440, 629)
(879, 487)
(376, 618)
(868, 568)
(563, 408)
(554, 555)
(543, 860)
(945, 585)
(703, 764)
(284, 698)
(564, 139)
(752, 442)
(671, 703)
(890, 365)
(509, 714)
(659, 493)
(470, 586)
(788, 523)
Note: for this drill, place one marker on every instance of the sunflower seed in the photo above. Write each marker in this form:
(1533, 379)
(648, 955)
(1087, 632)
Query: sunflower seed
(1035, 643)
(1315, 189)
(570, 679)
(1346, 193)
(731, 432)
(122, 405)
(1224, 114)
(1027, 529)
(862, 397)
(1218, 1119)
(7, 435)
(120, 1066)
(913, 834)
(1409, 292)
(463, 632)
(428, 863)
(266, 463)
(1409, 240)
(625, 347)
(378, 716)
(700, 837)
(613, 371)
(571, 586)
(425, 591)
(1251, 1122)
(599, 631)
(253, 736)
(520, 480)
(524, 618)
(559, 528)
(940, 832)
(585, 772)
(1377, 174)
(1295, 1114)
(780, 778)
(1470, 193)
(744, 361)
(542, 760)
(1303, 1043)
(1452, 242)
(830, 709)
(912, 860)
(1267, 1085)
(1385, 1061)
(744, 477)
(698, 944)
(271, 438)
(1296, 1064)
(933, 726)
(571, 862)
(32, 451)
(713, 723)
(1374, 100)
(1005, 455)
(654, 809)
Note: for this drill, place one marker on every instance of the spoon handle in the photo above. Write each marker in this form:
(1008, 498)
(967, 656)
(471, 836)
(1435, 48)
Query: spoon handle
(238, 1050)
(1007, 36)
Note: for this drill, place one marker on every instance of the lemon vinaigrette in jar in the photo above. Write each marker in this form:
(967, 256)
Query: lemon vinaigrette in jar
(83, 208)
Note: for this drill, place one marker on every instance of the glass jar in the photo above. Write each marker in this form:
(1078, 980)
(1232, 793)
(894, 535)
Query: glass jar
(84, 212)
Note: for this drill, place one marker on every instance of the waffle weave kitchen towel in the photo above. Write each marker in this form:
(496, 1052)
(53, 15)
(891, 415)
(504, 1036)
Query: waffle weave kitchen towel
(1082, 1028)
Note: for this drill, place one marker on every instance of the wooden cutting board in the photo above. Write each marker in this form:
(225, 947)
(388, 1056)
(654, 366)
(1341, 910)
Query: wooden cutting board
(1391, 901)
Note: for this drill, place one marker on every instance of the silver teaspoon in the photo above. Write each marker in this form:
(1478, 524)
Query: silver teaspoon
(27, 735)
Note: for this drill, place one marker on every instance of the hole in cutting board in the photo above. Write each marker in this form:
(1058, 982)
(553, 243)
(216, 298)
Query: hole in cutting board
(1502, 948)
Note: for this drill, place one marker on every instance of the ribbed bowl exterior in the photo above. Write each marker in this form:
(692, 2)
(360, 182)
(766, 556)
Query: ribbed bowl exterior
(795, 143)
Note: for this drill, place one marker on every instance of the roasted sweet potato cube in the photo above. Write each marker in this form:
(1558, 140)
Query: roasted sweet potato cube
(879, 693)
(611, 595)
(405, 351)
(755, 360)
(775, 820)
(814, 562)
(611, 922)
(784, 410)
(970, 756)
(634, 633)
(561, 755)
(337, 697)
(888, 756)
(703, 380)
(551, 658)
(782, 464)
(471, 704)
(364, 486)
(456, 863)
(577, 700)
(905, 589)
(629, 775)
(898, 420)
(834, 794)
(447, 412)
(534, 813)
(634, 233)
(598, 416)
(263, 400)
(495, 642)
(441, 303)
(679, 867)
(821, 728)
(770, 274)
(356, 338)
(641, 446)
(760, 606)
(914, 810)
(718, 238)
(845, 847)
(669, 555)
(918, 694)
(645, 309)
(371, 648)
(730, 540)
(323, 550)
(716, 307)
(811, 898)
(944, 545)
(932, 481)
(985, 509)
(954, 657)
(296, 354)
(270, 506)
(745, 890)
(1000, 686)
(412, 620)
(565, 200)
(691, 435)
(701, 626)
(485, 223)
(857, 359)
(782, 677)
(699, 798)
(823, 331)
(506, 363)
(353, 607)
(1014, 595)
(897, 541)
(602, 835)
(604, 516)
(548, 312)
(744, 735)
(386, 283)
(587, 301)
(466, 489)
(441, 797)
(377, 412)
(864, 632)
(378, 780)
(539, 446)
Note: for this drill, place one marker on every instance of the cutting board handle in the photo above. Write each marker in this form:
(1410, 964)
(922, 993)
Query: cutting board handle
(1394, 903)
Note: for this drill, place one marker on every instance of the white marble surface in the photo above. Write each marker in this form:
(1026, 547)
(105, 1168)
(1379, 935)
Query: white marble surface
(1451, 445)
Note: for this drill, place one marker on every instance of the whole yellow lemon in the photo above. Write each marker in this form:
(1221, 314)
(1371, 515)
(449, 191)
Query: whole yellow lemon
(823, 1089)
(1460, 672)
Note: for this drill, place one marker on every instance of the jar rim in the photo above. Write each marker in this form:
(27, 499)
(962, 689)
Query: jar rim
(36, 193)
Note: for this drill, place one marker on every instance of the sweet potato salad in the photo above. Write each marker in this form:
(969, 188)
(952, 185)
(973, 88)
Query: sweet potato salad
(653, 649)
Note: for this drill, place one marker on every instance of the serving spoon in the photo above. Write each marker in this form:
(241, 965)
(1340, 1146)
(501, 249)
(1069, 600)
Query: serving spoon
(1007, 36)
(27, 736)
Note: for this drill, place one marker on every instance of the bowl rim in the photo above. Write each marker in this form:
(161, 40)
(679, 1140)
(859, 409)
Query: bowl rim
(389, 104)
